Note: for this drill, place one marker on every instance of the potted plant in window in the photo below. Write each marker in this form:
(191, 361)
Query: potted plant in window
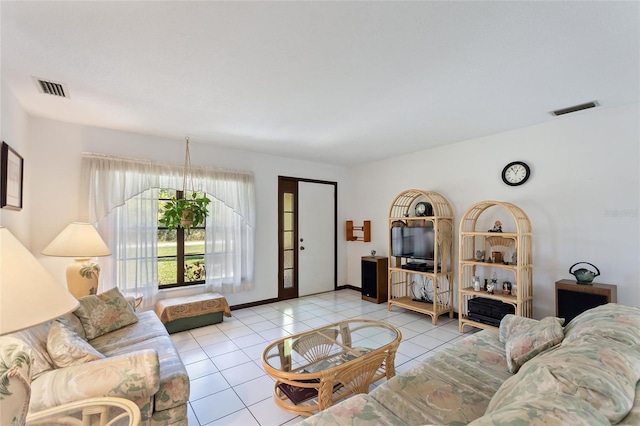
(185, 212)
(188, 211)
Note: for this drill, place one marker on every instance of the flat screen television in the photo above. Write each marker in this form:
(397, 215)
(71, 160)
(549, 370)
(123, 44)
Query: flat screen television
(413, 242)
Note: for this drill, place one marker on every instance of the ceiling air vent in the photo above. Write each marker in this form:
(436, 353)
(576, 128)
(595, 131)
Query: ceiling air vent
(575, 108)
(51, 87)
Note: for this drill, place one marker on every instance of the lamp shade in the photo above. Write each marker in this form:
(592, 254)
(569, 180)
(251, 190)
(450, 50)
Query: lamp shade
(29, 294)
(78, 239)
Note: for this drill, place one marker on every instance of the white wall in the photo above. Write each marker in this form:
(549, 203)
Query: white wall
(14, 131)
(55, 154)
(585, 168)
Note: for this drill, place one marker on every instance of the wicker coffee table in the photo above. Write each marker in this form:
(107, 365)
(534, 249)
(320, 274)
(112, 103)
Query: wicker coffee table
(315, 369)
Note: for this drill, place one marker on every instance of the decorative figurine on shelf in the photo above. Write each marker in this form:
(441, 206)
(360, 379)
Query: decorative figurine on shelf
(479, 256)
(476, 282)
(494, 283)
(514, 289)
(497, 227)
(514, 258)
(490, 288)
(486, 285)
(373, 252)
(506, 287)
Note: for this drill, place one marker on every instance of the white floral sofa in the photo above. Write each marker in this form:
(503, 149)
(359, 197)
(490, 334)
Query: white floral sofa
(584, 374)
(105, 349)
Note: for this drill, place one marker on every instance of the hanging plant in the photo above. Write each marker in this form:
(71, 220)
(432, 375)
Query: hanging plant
(185, 212)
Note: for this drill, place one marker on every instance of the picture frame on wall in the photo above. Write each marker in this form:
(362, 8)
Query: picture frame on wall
(11, 178)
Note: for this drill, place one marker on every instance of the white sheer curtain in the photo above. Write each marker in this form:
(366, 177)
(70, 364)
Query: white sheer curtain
(109, 182)
(130, 231)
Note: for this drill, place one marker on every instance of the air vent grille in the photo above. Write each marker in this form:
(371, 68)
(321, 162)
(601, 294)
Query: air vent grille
(51, 87)
(575, 108)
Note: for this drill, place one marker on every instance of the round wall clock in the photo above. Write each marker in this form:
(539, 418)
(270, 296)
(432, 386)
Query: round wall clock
(516, 173)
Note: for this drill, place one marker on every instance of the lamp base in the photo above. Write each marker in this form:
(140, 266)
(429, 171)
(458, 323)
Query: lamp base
(82, 277)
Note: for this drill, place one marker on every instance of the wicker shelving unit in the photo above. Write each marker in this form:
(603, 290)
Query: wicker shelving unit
(518, 239)
(439, 281)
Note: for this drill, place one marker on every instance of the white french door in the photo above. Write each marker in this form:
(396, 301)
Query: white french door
(307, 237)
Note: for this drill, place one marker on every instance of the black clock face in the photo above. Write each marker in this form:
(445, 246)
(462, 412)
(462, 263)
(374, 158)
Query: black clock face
(515, 173)
(423, 209)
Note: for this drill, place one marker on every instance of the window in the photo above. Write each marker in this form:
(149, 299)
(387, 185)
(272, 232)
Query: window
(123, 196)
(180, 252)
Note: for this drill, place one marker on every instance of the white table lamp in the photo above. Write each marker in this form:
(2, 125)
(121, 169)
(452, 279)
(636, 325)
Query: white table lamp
(29, 295)
(82, 242)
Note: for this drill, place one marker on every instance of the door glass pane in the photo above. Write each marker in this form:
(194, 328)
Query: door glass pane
(288, 240)
(288, 221)
(288, 278)
(288, 202)
(288, 259)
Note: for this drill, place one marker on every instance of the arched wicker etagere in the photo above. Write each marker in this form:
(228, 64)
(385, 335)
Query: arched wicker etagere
(516, 242)
(436, 280)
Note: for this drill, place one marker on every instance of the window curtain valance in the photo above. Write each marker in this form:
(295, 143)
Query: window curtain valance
(121, 197)
(108, 182)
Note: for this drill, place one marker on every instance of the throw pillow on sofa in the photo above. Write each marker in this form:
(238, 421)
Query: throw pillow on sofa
(512, 324)
(103, 313)
(524, 345)
(66, 348)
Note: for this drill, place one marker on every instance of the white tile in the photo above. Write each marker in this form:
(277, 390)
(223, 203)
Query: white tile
(210, 339)
(255, 352)
(318, 322)
(238, 332)
(252, 319)
(239, 418)
(274, 314)
(248, 340)
(303, 315)
(297, 328)
(255, 390)
(411, 349)
(194, 355)
(230, 359)
(200, 369)
(425, 356)
(262, 326)
(186, 345)
(442, 334)
(207, 385)
(406, 366)
(192, 420)
(268, 413)
(407, 333)
(183, 335)
(282, 320)
(220, 348)
(426, 341)
(420, 326)
(216, 406)
(274, 334)
(243, 313)
(400, 319)
(196, 332)
(242, 373)
(229, 324)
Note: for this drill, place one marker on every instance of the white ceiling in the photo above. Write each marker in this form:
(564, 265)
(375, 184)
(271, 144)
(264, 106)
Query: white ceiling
(337, 82)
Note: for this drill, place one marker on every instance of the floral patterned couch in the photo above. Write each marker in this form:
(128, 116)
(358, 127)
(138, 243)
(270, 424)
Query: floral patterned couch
(105, 349)
(528, 372)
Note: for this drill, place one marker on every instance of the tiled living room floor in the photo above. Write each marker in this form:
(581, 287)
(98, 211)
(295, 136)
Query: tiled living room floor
(229, 385)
